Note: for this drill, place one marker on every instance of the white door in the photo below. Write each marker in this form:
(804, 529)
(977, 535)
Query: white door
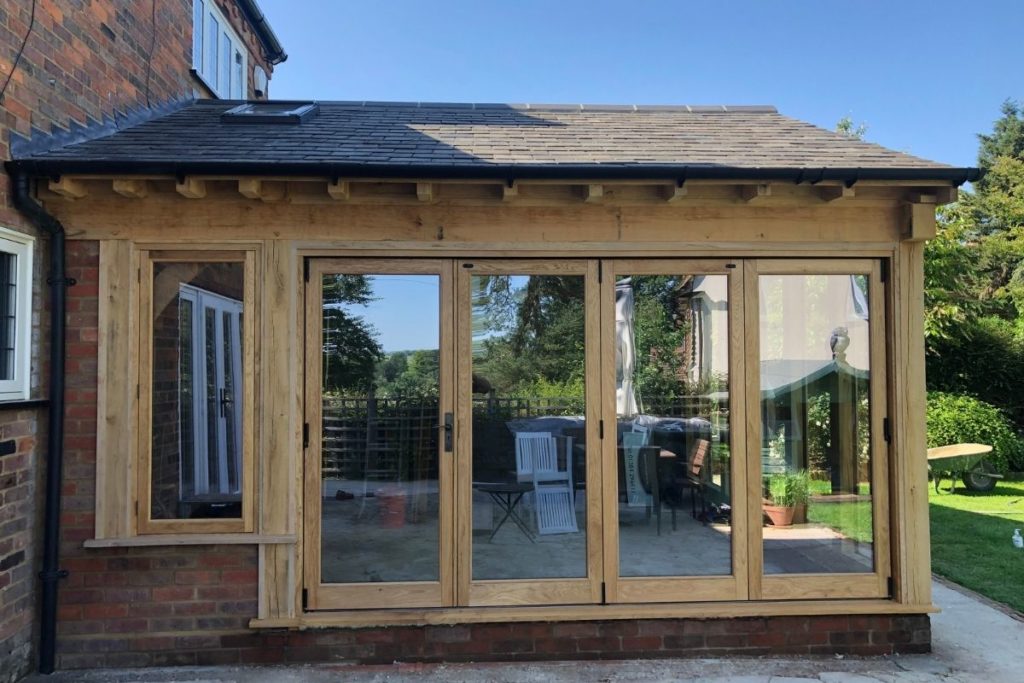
(210, 373)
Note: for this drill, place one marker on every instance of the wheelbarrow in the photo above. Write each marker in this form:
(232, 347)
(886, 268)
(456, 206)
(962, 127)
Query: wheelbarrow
(964, 461)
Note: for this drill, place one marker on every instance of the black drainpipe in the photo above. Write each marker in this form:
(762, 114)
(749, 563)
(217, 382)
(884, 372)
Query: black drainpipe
(59, 282)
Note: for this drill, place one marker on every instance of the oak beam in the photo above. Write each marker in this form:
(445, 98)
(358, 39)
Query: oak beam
(677, 193)
(753, 193)
(920, 218)
(69, 188)
(339, 190)
(593, 193)
(191, 187)
(255, 188)
(425, 192)
(946, 195)
(509, 191)
(832, 193)
(131, 188)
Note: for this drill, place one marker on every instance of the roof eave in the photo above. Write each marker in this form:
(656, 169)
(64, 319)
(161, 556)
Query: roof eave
(677, 173)
(252, 12)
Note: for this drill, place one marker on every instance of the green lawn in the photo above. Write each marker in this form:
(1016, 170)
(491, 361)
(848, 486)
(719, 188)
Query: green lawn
(851, 519)
(971, 540)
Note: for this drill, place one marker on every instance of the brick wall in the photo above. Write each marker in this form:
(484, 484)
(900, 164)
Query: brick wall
(130, 606)
(83, 59)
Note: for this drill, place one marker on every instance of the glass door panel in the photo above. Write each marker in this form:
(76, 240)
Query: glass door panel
(530, 531)
(821, 381)
(670, 353)
(379, 382)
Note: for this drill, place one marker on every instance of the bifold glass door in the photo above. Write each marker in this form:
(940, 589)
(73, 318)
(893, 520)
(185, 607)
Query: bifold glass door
(674, 480)
(817, 329)
(379, 411)
(529, 525)
(540, 432)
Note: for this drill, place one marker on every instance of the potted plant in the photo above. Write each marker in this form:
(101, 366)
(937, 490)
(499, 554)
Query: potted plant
(786, 492)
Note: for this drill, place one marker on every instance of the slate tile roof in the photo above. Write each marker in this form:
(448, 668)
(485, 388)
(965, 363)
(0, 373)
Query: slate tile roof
(390, 138)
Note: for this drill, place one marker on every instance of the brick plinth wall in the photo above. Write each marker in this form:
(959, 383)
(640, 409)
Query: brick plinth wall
(867, 635)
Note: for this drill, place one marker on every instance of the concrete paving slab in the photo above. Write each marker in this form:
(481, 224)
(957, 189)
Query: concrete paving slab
(973, 641)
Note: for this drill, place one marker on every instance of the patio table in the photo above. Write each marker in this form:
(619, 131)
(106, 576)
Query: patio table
(507, 496)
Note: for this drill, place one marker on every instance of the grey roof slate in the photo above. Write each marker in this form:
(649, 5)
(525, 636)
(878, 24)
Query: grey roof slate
(391, 138)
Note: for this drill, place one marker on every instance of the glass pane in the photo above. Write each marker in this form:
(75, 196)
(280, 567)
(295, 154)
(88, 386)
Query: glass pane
(379, 467)
(8, 312)
(189, 446)
(224, 61)
(198, 12)
(230, 401)
(212, 407)
(529, 436)
(816, 446)
(186, 391)
(210, 70)
(672, 404)
(237, 78)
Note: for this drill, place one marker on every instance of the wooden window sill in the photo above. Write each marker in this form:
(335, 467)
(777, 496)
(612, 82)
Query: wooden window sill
(191, 539)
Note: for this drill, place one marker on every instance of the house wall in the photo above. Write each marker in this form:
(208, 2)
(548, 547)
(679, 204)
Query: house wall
(81, 63)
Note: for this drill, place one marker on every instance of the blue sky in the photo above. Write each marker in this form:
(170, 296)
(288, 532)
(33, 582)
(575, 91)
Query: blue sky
(925, 76)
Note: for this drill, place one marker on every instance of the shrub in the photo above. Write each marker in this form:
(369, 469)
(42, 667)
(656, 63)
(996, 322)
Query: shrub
(955, 418)
(985, 359)
(788, 490)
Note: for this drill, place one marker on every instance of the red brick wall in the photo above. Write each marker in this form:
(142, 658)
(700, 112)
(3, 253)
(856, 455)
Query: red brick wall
(82, 59)
(130, 606)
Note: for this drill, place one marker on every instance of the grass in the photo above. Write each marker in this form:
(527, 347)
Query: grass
(851, 519)
(971, 540)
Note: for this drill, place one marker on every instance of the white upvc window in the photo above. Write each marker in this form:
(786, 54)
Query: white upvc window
(218, 55)
(15, 314)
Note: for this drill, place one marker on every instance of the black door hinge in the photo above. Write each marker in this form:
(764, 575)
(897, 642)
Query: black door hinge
(305, 435)
(600, 429)
(305, 599)
(891, 586)
(305, 268)
(600, 271)
(886, 430)
(604, 594)
(885, 270)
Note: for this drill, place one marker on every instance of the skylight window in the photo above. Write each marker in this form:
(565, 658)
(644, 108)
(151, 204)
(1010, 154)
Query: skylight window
(271, 112)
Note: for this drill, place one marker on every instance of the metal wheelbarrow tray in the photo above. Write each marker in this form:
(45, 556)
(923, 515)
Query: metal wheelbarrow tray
(964, 461)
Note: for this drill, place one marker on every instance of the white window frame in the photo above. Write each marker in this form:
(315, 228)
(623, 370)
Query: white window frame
(21, 246)
(206, 15)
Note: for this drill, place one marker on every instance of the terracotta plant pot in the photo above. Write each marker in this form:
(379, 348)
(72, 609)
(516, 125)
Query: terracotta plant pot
(800, 514)
(780, 516)
(391, 506)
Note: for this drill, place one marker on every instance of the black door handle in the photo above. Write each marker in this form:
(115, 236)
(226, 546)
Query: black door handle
(449, 430)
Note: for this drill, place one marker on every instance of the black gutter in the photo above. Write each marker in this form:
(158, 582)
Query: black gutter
(502, 172)
(252, 12)
(58, 281)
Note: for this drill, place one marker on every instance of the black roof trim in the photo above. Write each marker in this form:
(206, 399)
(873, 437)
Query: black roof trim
(501, 172)
(252, 12)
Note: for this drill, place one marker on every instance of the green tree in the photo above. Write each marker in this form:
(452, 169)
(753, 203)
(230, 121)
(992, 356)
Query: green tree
(350, 347)
(846, 127)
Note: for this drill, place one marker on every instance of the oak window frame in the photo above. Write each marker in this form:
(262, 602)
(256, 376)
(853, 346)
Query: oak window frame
(144, 522)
